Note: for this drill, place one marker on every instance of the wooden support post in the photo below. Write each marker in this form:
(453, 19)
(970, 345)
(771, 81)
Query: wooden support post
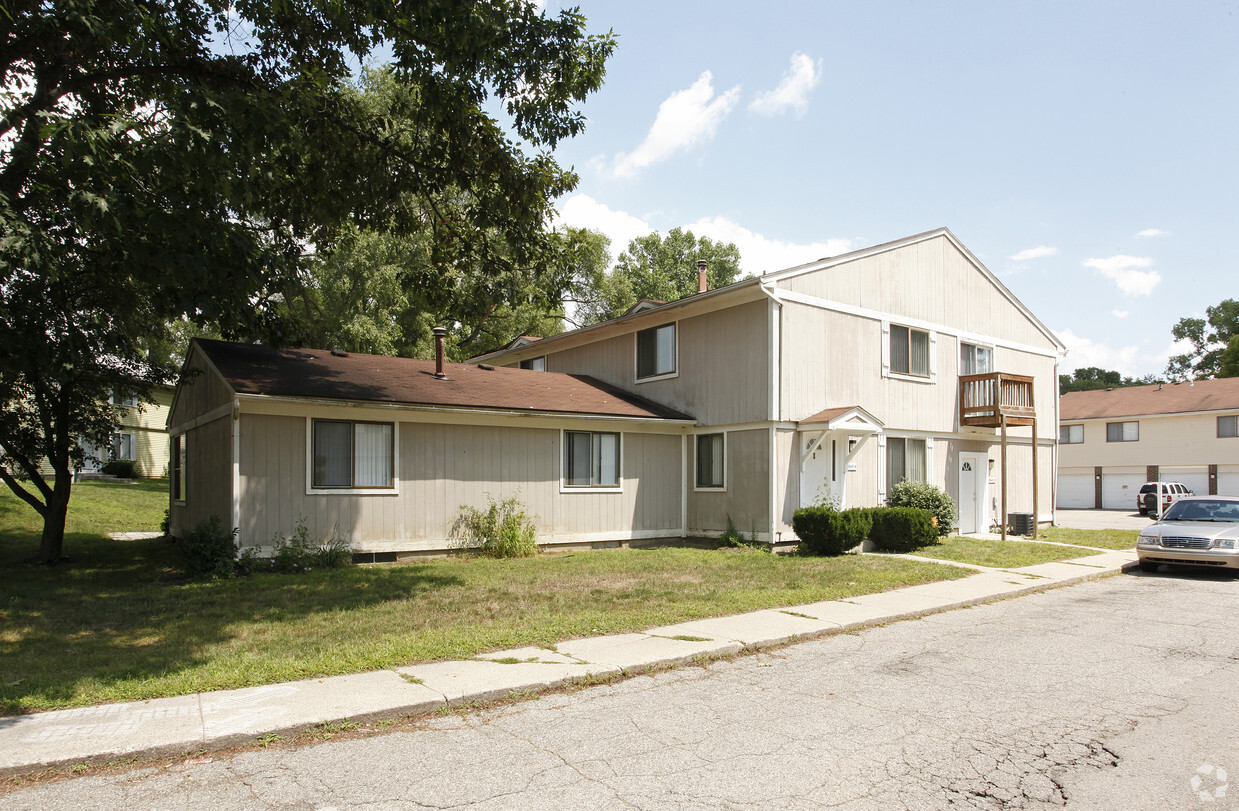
(1034, 446)
(1003, 517)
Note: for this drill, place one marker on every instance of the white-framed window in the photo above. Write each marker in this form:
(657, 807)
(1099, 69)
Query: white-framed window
(591, 459)
(909, 351)
(656, 352)
(124, 447)
(711, 461)
(905, 459)
(120, 398)
(348, 455)
(1123, 431)
(975, 359)
(176, 468)
(1070, 434)
(1228, 426)
(537, 364)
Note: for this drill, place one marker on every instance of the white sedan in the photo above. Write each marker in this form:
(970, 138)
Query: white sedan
(1194, 531)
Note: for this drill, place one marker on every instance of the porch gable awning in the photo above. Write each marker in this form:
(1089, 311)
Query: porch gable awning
(847, 418)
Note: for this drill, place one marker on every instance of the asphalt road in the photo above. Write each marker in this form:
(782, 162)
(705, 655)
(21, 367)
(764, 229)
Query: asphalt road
(1118, 693)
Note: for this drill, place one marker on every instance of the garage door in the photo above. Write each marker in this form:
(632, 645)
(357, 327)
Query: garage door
(1075, 491)
(1196, 478)
(1119, 487)
(1228, 480)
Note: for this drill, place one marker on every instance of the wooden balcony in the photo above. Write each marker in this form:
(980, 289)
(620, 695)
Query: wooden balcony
(984, 400)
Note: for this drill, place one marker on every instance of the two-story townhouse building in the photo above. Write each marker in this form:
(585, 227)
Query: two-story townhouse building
(1111, 441)
(833, 381)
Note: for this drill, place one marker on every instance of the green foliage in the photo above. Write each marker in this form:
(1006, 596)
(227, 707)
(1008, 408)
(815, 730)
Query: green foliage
(209, 552)
(733, 538)
(122, 468)
(902, 529)
(924, 495)
(1211, 338)
(825, 530)
(1091, 378)
(178, 158)
(502, 530)
(298, 553)
(660, 268)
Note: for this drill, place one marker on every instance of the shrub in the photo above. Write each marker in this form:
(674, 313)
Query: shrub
(298, 553)
(122, 469)
(827, 531)
(902, 529)
(927, 497)
(734, 538)
(209, 552)
(502, 530)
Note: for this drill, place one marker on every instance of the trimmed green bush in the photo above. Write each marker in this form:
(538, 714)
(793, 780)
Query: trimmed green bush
(209, 552)
(122, 469)
(827, 531)
(927, 497)
(902, 529)
(502, 530)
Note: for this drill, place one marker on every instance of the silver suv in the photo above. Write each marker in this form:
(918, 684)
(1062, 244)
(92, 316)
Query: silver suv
(1146, 499)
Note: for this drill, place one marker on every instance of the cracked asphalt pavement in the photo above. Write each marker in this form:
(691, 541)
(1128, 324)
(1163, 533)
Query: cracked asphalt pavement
(1116, 693)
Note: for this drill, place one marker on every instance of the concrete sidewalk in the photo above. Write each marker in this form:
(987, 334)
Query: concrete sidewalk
(190, 724)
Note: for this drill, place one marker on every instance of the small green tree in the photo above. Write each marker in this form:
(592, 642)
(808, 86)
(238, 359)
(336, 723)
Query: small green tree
(925, 496)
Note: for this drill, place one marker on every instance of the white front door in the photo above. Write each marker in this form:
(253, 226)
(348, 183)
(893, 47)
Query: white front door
(973, 477)
(822, 474)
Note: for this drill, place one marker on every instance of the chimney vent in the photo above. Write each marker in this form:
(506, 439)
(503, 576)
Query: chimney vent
(440, 334)
(702, 284)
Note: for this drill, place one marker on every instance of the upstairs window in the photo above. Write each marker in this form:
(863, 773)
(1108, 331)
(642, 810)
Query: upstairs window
(975, 360)
(121, 398)
(909, 351)
(1228, 426)
(591, 459)
(1122, 431)
(537, 364)
(352, 454)
(656, 351)
(1070, 434)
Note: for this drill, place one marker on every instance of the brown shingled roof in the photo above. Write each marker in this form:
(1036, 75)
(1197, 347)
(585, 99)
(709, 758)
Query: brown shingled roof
(1168, 398)
(318, 374)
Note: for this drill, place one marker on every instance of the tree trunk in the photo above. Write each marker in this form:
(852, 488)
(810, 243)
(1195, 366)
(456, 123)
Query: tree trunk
(51, 544)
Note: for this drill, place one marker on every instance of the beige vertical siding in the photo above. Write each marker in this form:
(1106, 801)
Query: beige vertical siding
(208, 477)
(747, 497)
(723, 363)
(442, 467)
(929, 280)
(200, 391)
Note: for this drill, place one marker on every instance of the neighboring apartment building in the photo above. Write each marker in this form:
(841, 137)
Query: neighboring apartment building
(1111, 441)
(833, 380)
(141, 435)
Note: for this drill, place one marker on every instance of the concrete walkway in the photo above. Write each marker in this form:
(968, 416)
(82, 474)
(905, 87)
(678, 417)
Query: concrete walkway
(207, 721)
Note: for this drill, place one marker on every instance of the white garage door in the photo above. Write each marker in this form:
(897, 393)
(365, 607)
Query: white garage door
(1228, 480)
(1119, 487)
(1075, 491)
(1196, 478)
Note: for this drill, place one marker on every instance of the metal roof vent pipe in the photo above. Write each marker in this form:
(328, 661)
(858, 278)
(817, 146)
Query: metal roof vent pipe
(440, 334)
(702, 284)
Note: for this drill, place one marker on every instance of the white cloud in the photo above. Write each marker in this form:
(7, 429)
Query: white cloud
(1034, 253)
(1120, 313)
(1082, 352)
(760, 254)
(1153, 232)
(583, 211)
(1123, 271)
(686, 118)
(792, 92)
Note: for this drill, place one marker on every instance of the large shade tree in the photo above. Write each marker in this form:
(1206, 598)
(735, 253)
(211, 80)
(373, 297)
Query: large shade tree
(1213, 344)
(171, 161)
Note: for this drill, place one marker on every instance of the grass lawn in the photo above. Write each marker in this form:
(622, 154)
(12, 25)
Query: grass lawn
(118, 622)
(999, 554)
(1096, 538)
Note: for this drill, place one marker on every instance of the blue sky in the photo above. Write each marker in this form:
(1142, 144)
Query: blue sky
(1086, 152)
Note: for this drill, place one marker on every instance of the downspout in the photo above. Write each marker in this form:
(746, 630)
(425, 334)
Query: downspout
(236, 467)
(774, 315)
(684, 485)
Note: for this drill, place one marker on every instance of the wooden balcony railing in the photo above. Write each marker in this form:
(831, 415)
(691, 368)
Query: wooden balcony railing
(985, 399)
